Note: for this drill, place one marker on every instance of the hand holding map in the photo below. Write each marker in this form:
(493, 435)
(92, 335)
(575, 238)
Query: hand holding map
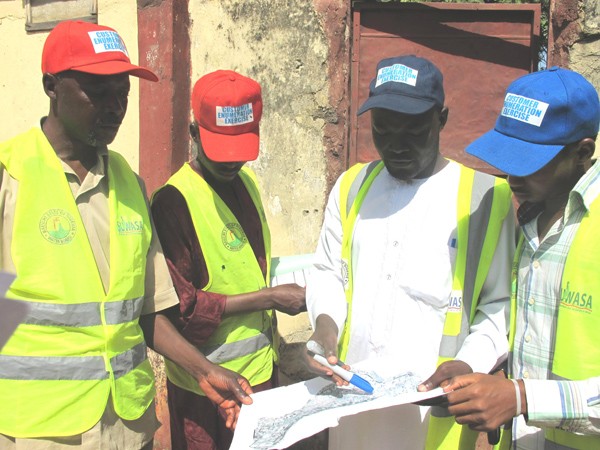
(314, 405)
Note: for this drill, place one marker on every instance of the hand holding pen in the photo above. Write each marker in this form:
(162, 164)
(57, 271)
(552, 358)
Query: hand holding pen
(339, 369)
(325, 336)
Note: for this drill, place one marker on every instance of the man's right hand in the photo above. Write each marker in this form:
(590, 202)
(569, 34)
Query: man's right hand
(326, 336)
(288, 298)
(227, 389)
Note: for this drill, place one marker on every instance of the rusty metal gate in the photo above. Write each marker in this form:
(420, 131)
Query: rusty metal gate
(480, 49)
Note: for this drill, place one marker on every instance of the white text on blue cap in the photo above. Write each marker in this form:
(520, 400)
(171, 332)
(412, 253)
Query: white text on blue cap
(525, 109)
(398, 73)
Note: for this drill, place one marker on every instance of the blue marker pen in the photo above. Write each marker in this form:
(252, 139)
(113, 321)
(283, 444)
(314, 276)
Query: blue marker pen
(350, 377)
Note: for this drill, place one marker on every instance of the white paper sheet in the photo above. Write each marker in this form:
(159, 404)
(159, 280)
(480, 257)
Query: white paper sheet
(280, 417)
(12, 312)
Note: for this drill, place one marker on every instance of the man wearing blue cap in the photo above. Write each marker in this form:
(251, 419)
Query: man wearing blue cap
(403, 260)
(544, 139)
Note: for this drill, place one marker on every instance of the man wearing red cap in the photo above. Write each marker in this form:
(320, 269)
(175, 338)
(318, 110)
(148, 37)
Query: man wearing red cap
(77, 232)
(212, 226)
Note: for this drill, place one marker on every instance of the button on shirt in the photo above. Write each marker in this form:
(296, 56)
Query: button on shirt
(572, 405)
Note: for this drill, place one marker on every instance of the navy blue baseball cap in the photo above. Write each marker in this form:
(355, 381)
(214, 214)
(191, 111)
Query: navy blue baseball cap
(542, 113)
(405, 84)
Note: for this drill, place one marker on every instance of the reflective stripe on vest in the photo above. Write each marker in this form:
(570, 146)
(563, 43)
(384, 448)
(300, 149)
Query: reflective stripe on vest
(70, 368)
(243, 343)
(481, 199)
(83, 314)
(513, 300)
(473, 260)
(357, 180)
(226, 352)
(577, 321)
(489, 203)
(80, 344)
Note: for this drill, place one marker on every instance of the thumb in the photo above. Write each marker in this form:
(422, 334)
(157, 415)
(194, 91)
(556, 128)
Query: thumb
(459, 382)
(332, 357)
(431, 382)
(243, 390)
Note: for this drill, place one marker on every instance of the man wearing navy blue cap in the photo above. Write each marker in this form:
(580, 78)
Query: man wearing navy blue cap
(544, 139)
(403, 262)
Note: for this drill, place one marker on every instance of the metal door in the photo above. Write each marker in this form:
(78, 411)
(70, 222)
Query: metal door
(480, 49)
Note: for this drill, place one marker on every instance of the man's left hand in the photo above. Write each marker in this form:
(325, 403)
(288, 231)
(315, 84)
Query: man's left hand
(443, 373)
(484, 402)
(440, 377)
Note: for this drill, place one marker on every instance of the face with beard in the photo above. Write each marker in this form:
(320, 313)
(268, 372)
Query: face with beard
(408, 144)
(90, 107)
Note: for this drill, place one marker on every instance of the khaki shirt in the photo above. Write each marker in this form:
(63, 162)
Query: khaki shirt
(91, 197)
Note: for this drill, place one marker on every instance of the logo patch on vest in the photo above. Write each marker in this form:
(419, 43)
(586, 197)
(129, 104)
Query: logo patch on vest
(130, 226)
(345, 273)
(455, 302)
(58, 226)
(578, 301)
(233, 237)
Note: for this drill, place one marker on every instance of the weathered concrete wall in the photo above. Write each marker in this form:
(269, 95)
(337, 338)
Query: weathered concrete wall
(584, 55)
(22, 98)
(575, 39)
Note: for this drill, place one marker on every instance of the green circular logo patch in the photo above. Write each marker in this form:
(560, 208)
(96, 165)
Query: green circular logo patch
(233, 237)
(58, 226)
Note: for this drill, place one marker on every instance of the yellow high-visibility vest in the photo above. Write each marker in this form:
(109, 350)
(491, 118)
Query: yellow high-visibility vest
(577, 321)
(79, 344)
(491, 198)
(242, 342)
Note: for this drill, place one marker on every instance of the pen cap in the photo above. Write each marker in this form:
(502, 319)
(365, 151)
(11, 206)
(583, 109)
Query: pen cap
(361, 383)
(315, 347)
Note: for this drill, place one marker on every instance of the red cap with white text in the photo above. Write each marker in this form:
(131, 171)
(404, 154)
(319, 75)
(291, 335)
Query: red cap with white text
(227, 107)
(89, 48)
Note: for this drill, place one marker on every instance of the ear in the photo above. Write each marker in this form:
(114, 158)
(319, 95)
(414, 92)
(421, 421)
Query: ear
(195, 132)
(50, 82)
(443, 117)
(585, 151)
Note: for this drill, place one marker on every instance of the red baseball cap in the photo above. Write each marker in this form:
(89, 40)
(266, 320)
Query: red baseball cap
(227, 107)
(90, 48)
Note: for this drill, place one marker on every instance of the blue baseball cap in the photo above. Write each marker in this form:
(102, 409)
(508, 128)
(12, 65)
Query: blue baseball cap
(405, 84)
(542, 113)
